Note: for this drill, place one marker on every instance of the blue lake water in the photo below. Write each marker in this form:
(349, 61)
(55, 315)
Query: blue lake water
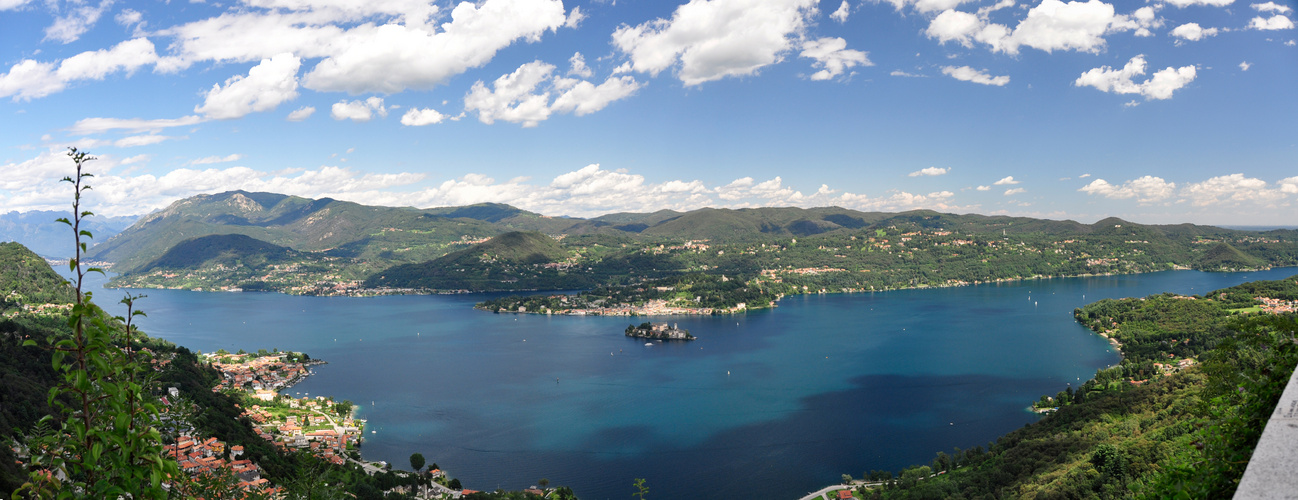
(770, 404)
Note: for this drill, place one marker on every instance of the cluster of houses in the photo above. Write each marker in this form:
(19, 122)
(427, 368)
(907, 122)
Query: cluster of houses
(37, 309)
(291, 423)
(259, 373)
(302, 425)
(198, 456)
(1278, 306)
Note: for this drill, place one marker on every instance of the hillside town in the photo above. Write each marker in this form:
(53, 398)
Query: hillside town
(319, 425)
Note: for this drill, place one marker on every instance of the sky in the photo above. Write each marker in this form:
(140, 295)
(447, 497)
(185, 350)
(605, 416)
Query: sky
(1157, 112)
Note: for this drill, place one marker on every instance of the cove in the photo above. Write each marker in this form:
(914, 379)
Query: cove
(770, 404)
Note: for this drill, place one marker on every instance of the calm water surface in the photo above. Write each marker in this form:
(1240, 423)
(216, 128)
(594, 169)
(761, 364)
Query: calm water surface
(770, 404)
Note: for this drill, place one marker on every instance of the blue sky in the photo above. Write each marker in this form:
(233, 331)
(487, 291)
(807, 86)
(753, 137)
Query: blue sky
(1158, 112)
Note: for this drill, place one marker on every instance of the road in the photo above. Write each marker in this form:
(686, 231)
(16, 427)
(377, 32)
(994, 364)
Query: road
(820, 494)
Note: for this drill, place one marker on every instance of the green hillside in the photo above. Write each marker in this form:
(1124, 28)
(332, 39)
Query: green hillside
(343, 229)
(342, 248)
(511, 261)
(230, 250)
(26, 279)
(1224, 257)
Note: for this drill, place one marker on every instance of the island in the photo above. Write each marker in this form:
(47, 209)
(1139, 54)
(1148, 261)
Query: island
(658, 331)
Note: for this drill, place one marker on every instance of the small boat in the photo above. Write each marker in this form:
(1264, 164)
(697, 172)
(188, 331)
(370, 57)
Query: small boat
(648, 344)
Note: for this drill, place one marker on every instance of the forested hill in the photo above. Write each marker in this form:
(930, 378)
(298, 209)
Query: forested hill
(27, 280)
(342, 247)
(1178, 418)
(511, 261)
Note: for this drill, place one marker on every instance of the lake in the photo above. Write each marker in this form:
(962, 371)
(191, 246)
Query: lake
(769, 404)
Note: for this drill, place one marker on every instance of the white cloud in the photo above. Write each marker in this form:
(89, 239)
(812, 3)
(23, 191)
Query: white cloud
(268, 84)
(1146, 189)
(392, 58)
(968, 74)
(1244, 66)
(1272, 7)
(129, 17)
(1276, 22)
(30, 79)
(927, 5)
(216, 159)
(360, 111)
(833, 56)
(365, 46)
(585, 98)
(587, 191)
(1083, 176)
(577, 66)
(70, 27)
(897, 72)
(1119, 81)
(984, 188)
(1146, 18)
(511, 98)
(12, 4)
(711, 39)
(301, 113)
(1289, 185)
(841, 14)
(1233, 189)
(988, 9)
(1193, 32)
(1009, 180)
(929, 171)
(87, 126)
(1212, 3)
(524, 95)
(140, 140)
(416, 117)
(574, 18)
(1014, 191)
(1051, 25)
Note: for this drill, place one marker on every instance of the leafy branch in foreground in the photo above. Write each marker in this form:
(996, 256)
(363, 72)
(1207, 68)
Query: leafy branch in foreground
(105, 443)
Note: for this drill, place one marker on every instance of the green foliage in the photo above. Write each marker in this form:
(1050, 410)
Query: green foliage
(25, 279)
(416, 462)
(641, 488)
(105, 444)
(511, 261)
(231, 250)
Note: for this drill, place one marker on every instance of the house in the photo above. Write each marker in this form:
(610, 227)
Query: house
(844, 494)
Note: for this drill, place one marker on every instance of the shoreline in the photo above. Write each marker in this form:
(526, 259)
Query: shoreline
(380, 292)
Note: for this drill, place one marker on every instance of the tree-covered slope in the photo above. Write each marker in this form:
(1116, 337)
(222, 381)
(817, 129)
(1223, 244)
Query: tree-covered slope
(26, 279)
(345, 229)
(221, 249)
(511, 261)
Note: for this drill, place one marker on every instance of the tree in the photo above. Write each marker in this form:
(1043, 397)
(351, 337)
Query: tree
(642, 490)
(543, 482)
(417, 461)
(455, 484)
(106, 444)
(847, 478)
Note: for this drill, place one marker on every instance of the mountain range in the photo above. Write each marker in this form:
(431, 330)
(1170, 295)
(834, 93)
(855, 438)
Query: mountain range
(500, 247)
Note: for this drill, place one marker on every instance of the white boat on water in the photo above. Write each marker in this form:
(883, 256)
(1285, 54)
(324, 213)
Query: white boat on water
(648, 344)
